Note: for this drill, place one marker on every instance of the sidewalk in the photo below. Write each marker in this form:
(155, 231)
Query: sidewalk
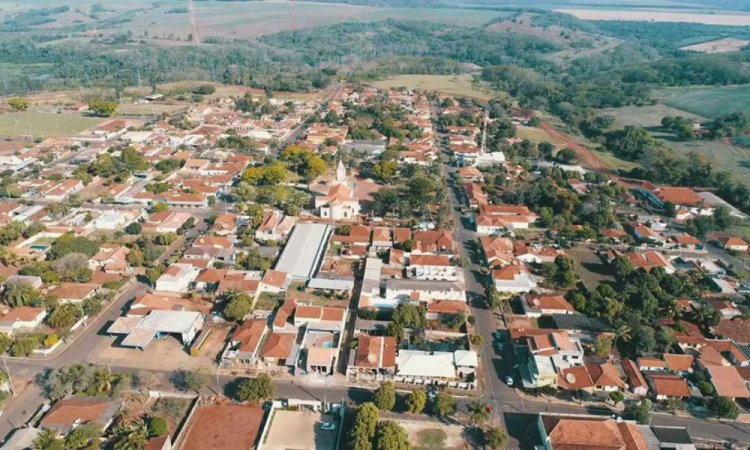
(559, 401)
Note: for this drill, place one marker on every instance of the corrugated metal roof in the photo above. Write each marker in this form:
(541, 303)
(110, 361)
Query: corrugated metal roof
(672, 435)
(335, 284)
(170, 321)
(304, 250)
(580, 322)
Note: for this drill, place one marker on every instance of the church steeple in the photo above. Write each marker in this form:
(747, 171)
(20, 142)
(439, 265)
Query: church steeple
(341, 173)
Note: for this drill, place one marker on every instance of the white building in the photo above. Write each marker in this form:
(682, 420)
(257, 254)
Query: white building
(340, 202)
(177, 278)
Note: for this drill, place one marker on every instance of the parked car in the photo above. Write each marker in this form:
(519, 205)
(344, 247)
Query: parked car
(327, 426)
(509, 380)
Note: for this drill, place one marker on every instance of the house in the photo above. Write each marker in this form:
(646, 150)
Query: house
(140, 331)
(737, 329)
(649, 363)
(733, 243)
(275, 226)
(710, 356)
(575, 378)
(649, 260)
(682, 364)
(432, 267)
(539, 305)
(34, 281)
(75, 292)
(646, 234)
(637, 383)
(165, 222)
(277, 348)
(685, 241)
(21, 318)
(159, 443)
(667, 385)
(111, 258)
(727, 308)
(403, 290)
(381, 239)
(513, 279)
(224, 426)
(681, 197)
(433, 242)
(424, 367)
(437, 309)
(498, 251)
(225, 224)
(401, 235)
(73, 410)
(605, 377)
(373, 359)
(243, 347)
(274, 281)
(340, 202)
(727, 382)
(177, 278)
(319, 317)
(581, 432)
(494, 219)
(476, 196)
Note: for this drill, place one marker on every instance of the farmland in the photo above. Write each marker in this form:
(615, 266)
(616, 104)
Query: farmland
(710, 102)
(458, 85)
(45, 125)
(739, 19)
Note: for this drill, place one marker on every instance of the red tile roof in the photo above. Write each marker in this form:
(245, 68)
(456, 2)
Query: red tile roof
(669, 384)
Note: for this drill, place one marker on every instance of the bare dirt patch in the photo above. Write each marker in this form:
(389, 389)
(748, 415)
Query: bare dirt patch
(423, 435)
(725, 45)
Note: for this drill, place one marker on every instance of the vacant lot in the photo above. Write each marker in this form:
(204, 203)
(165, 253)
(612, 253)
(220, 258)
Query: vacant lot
(738, 19)
(434, 435)
(591, 268)
(725, 45)
(45, 125)
(648, 117)
(709, 102)
(458, 85)
(538, 135)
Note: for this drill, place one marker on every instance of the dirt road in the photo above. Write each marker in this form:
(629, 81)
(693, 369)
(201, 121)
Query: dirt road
(588, 158)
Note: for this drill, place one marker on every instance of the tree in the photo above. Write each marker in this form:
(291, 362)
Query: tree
(130, 435)
(240, 305)
(478, 413)
(157, 426)
(724, 408)
(706, 388)
(365, 423)
(603, 346)
(19, 104)
(385, 170)
(640, 412)
(64, 316)
(134, 228)
(444, 404)
(256, 389)
(616, 397)
(546, 149)
(567, 156)
(104, 380)
(416, 401)
(5, 342)
(409, 315)
(314, 167)
(494, 301)
(385, 397)
(496, 438)
(19, 294)
(189, 380)
(153, 274)
(204, 89)
(103, 108)
(48, 440)
(622, 267)
(159, 207)
(71, 263)
(82, 436)
(390, 436)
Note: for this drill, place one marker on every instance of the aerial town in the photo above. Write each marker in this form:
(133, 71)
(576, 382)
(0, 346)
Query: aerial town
(251, 272)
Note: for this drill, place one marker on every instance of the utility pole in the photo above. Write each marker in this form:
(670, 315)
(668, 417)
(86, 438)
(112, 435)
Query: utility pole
(10, 378)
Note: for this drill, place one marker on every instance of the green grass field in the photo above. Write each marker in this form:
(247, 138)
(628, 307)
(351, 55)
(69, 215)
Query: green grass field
(726, 157)
(45, 125)
(458, 85)
(709, 102)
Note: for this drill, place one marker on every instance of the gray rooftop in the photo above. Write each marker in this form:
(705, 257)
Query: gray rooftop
(304, 251)
(334, 284)
(422, 285)
(170, 321)
(672, 435)
(580, 322)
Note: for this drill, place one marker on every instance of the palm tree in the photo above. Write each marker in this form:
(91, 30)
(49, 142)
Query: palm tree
(131, 436)
(7, 257)
(479, 413)
(47, 440)
(19, 294)
(621, 331)
(104, 379)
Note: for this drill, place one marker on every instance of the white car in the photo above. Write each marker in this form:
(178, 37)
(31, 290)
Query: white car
(327, 426)
(509, 380)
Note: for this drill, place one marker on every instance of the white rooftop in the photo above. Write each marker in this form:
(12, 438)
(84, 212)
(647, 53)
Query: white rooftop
(170, 321)
(466, 358)
(304, 250)
(416, 363)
